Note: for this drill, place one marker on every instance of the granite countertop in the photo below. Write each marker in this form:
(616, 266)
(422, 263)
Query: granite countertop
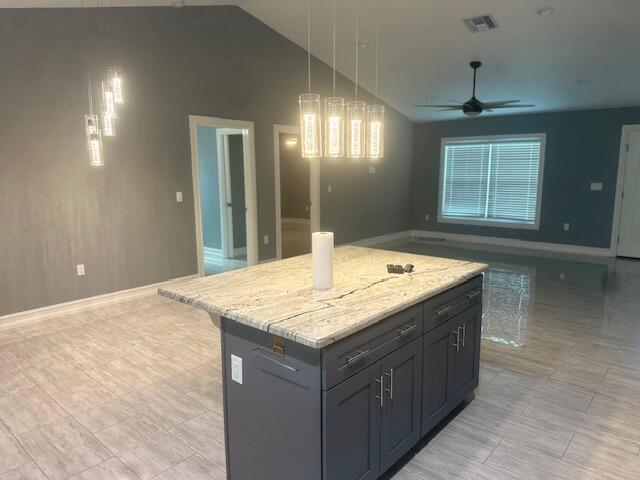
(279, 298)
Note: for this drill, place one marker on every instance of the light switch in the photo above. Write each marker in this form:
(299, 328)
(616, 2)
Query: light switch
(329, 188)
(596, 186)
(179, 197)
(236, 369)
(80, 269)
(266, 239)
(566, 227)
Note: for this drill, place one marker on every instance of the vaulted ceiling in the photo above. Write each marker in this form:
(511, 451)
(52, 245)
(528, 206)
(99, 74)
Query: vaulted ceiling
(583, 55)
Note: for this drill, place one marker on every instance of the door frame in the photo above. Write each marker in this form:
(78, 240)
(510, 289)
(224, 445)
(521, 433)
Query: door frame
(314, 185)
(622, 164)
(225, 192)
(250, 190)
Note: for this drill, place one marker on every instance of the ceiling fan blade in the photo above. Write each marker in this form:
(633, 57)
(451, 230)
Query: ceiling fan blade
(499, 102)
(450, 109)
(440, 106)
(513, 106)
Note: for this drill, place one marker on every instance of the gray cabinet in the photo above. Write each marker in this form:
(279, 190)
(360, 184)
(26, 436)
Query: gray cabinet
(351, 424)
(373, 418)
(438, 358)
(466, 372)
(400, 421)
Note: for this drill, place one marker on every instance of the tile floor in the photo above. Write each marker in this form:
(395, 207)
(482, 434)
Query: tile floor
(133, 390)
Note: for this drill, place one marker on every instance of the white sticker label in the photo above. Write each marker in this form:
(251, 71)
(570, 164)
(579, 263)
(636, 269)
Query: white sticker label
(236, 369)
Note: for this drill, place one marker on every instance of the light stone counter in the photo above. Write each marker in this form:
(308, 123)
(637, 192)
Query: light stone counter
(279, 298)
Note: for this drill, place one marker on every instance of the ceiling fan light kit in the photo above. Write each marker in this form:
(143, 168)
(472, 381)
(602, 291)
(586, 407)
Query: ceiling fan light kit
(474, 107)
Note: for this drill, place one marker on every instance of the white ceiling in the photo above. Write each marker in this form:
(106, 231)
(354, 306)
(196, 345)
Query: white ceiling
(425, 48)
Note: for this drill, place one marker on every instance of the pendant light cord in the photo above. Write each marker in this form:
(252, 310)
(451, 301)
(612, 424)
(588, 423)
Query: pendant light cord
(334, 48)
(308, 46)
(357, 46)
(86, 56)
(377, 48)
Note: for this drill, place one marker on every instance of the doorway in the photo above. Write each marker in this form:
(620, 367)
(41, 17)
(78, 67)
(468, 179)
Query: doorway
(625, 241)
(297, 186)
(223, 165)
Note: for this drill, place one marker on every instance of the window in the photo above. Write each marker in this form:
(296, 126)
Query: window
(492, 180)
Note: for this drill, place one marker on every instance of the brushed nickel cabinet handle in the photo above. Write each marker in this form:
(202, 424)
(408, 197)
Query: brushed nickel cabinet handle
(473, 294)
(443, 310)
(407, 330)
(358, 356)
(381, 397)
(390, 390)
(457, 344)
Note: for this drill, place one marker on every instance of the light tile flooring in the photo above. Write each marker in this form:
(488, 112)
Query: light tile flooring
(133, 391)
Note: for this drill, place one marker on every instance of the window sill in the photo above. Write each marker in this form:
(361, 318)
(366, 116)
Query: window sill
(489, 223)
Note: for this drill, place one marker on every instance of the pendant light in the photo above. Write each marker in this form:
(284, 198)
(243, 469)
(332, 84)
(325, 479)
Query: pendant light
(334, 111)
(356, 112)
(117, 84)
(375, 113)
(310, 117)
(91, 120)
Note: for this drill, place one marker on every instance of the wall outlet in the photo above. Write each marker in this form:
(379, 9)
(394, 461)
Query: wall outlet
(372, 169)
(80, 269)
(566, 227)
(179, 197)
(236, 369)
(330, 188)
(266, 239)
(426, 217)
(596, 186)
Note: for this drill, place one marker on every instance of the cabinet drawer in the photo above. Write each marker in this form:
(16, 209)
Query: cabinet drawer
(441, 308)
(347, 357)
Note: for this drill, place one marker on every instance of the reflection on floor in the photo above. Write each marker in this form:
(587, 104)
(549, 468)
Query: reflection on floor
(214, 262)
(133, 390)
(296, 239)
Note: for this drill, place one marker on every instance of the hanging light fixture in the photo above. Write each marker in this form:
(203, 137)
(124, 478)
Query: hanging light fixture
(94, 140)
(108, 123)
(334, 110)
(356, 112)
(108, 99)
(375, 113)
(117, 84)
(310, 117)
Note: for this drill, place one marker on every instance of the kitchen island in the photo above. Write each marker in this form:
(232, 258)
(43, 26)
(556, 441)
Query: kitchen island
(340, 384)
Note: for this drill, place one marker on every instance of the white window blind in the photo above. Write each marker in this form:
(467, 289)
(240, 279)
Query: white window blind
(493, 180)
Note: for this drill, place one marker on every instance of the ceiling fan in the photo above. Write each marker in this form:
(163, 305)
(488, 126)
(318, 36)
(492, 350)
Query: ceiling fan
(473, 106)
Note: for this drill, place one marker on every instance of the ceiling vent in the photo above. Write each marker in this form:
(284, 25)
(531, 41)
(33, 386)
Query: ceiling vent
(480, 24)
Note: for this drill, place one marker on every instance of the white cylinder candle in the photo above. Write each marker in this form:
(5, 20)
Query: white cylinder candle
(322, 260)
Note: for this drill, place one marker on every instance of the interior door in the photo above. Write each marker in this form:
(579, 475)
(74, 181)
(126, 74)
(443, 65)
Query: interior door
(467, 364)
(228, 194)
(351, 440)
(400, 420)
(629, 233)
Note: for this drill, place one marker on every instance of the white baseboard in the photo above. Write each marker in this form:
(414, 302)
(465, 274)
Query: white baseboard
(514, 243)
(299, 221)
(389, 237)
(14, 319)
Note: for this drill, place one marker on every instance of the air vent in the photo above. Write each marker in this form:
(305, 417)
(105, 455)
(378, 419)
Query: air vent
(480, 24)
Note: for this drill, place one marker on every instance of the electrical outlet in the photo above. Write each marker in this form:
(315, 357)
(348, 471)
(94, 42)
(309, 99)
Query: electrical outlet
(266, 239)
(179, 197)
(372, 169)
(566, 227)
(80, 269)
(426, 217)
(596, 186)
(330, 188)
(236, 369)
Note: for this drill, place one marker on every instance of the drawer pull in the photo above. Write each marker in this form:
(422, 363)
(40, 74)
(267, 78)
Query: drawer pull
(473, 294)
(407, 330)
(441, 311)
(358, 356)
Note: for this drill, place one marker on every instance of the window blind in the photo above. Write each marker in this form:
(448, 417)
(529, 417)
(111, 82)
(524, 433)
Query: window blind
(491, 180)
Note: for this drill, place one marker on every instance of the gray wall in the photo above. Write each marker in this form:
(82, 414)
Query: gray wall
(209, 186)
(582, 147)
(236, 166)
(295, 181)
(122, 220)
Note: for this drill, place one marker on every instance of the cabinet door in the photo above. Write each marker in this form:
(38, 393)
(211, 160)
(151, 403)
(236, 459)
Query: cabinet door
(467, 364)
(351, 439)
(438, 357)
(400, 419)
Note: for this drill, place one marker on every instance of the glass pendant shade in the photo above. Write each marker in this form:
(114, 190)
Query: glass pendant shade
(108, 124)
(356, 129)
(375, 131)
(334, 127)
(117, 83)
(310, 125)
(108, 99)
(94, 140)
